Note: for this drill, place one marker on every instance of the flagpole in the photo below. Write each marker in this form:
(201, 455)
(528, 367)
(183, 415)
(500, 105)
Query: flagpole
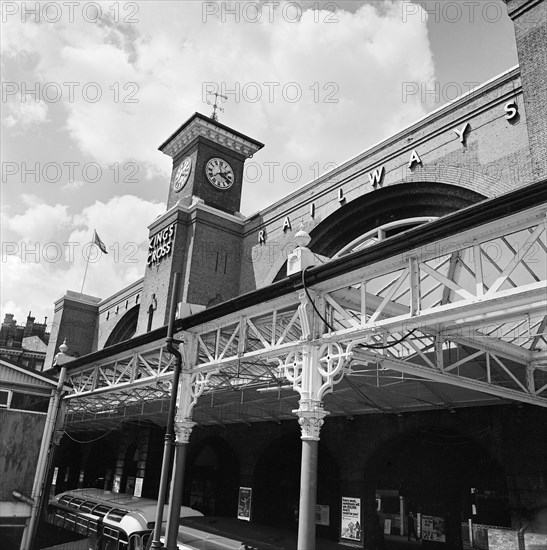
(86, 266)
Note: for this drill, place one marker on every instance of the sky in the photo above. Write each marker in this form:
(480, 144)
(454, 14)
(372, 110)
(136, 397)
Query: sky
(91, 89)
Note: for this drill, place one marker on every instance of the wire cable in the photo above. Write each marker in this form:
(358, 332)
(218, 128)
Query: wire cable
(369, 346)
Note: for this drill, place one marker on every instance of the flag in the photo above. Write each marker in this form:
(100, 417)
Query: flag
(98, 242)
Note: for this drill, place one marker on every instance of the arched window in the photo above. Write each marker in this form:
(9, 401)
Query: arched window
(126, 327)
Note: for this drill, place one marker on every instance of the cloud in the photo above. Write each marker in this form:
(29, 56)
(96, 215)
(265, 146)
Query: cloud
(25, 114)
(48, 252)
(40, 222)
(73, 185)
(310, 78)
(151, 76)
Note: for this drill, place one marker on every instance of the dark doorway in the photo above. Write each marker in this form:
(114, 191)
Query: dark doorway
(277, 486)
(69, 459)
(437, 473)
(212, 478)
(101, 460)
(130, 465)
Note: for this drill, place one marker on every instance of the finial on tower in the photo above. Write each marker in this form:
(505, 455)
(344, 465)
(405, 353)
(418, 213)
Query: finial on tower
(63, 348)
(214, 115)
(302, 237)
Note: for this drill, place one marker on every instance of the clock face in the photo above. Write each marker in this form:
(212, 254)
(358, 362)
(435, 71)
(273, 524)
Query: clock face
(182, 174)
(219, 173)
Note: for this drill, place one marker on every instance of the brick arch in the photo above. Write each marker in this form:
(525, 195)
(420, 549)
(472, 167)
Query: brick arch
(277, 484)
(125, 328)
(434, 466)
(404, 200)
(221, 479)
(473, 178)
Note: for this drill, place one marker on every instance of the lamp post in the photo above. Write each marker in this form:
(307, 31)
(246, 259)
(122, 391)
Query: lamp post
(41, 468)
(169, 430)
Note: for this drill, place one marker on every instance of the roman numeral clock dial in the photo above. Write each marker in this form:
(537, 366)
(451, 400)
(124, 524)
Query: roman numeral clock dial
(182, 174)
(219, 173)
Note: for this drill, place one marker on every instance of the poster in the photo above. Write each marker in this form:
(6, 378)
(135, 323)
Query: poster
(244, 503)
(351, 518)
(322, 514)
(138, 487)
(54, 482)
(116, 485)
(433, 529)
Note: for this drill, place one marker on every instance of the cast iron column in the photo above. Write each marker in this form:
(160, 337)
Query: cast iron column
(183, 430)
(311, 415)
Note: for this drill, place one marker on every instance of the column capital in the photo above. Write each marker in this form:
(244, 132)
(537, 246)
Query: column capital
(57, 436)
(311, 416)
(183, 431)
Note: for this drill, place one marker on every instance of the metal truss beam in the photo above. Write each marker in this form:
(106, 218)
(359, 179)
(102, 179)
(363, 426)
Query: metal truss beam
(481, 292)
(452, 379)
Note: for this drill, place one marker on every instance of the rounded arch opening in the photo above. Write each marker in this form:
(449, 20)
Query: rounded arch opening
(435, 472)
(277, 485)
(212, 478)
(383, 208)
(100, 464)
(68, 460)
(125, 328)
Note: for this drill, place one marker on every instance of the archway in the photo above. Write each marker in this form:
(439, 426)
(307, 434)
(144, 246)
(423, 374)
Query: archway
(435, 472)
(130, 468)
(277, 486)
(381, 208)
(125, 328)
(212, 478)
(101, 460)
(68, 461)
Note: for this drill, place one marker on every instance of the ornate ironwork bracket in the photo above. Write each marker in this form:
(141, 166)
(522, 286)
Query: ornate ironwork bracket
(191, 386)
(313, 371)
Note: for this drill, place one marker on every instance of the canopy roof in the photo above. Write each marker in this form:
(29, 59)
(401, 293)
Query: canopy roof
(458, 306)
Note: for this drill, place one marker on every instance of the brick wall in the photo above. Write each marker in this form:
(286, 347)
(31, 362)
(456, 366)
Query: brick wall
(494, 159)
(75, 319)
(113, 309)
(359, 449)
(530, 20)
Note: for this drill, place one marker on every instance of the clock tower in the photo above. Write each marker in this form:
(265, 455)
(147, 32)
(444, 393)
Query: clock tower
(208, 161)
(201, 233)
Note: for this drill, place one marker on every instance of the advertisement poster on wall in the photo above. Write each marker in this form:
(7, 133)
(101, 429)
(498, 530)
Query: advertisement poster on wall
(322, 514)
(116, 484)
(433, 529)
(351, 519)
(244, 503)
(138, 487)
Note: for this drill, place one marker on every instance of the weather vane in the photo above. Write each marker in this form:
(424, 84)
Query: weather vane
(214, 116)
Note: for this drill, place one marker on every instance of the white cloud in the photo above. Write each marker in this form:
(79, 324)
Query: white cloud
(359, 63)
(19, 114)
(40, 222)
(73, 185)
(46, 267)
(353, 69)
